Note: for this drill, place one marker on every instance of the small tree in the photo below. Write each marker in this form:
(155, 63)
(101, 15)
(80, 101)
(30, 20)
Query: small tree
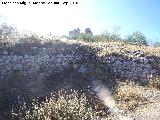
(115, 34)
(111, 36)
(137, 38)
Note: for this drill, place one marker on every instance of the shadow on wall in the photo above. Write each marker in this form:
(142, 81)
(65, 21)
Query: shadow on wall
(140, 67)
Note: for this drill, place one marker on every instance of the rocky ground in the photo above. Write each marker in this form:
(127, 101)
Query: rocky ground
(130, 74)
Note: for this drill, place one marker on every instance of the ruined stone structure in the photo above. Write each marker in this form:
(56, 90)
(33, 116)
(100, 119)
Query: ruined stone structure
(74, 33)
(88, 31)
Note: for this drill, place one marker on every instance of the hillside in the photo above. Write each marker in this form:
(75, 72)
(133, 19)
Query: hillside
(119, 80)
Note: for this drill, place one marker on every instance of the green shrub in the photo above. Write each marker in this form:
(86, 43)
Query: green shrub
(137, 38)
(107, 37)
(86, 37)
(110, 36)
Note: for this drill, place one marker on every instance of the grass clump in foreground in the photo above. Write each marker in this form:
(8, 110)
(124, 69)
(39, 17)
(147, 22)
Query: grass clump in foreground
(61, 106)
(129, 96)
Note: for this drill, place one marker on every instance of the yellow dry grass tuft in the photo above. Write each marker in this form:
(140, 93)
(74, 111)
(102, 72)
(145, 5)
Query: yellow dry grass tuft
(129, 96)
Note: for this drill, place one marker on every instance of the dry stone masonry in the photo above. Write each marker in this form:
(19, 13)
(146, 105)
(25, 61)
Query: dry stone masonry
(34, 68)
(124, 61)
(133, 64)
(129, 68)
(33, 64)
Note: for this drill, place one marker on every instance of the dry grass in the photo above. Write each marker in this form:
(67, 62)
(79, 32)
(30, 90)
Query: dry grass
(136, 100)
(61, 106)
(119, 47)
(129, 96)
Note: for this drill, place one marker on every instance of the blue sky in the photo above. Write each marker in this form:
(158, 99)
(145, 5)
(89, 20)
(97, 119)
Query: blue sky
(130, 15)
(99, 15)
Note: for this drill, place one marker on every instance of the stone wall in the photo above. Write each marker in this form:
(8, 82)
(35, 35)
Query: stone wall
(125, 61)
(31, 72)
(29, 64)
(139, 69)
(29, 75)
